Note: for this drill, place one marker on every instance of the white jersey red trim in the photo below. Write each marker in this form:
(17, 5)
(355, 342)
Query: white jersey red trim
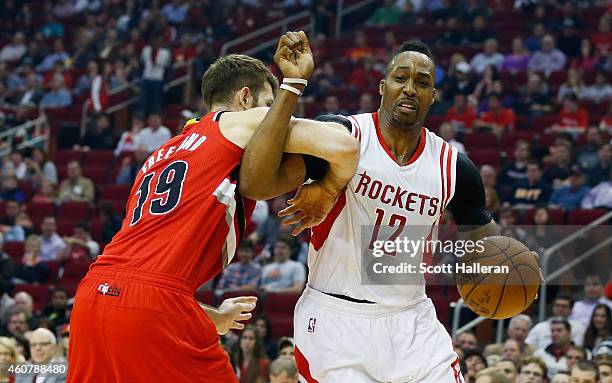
(411, 196)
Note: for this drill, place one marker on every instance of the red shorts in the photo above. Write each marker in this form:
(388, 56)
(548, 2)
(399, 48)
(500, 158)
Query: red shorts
(130, 326)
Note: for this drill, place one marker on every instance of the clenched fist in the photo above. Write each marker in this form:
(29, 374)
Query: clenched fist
(293, 55)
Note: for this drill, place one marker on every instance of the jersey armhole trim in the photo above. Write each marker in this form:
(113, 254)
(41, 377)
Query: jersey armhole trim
(217, 116)
(356, 128)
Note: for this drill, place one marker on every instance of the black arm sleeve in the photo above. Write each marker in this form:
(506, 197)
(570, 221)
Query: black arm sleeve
(468, 203)
(317, 167)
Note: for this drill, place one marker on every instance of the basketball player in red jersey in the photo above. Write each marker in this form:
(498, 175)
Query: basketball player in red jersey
(135, 318)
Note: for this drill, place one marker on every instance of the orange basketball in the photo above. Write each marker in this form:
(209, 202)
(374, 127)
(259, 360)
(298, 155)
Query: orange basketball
(500, 279)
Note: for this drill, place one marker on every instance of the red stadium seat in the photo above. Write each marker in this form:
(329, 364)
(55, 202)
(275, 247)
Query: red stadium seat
(510, 139)
(547, 140)
(311, 110)
(54, 268)
(522, 123)
(539, 124)
(441, 304)
(74, 271)
(64, 156)
(97, 229)
(65, 227)
(39, 210)
(174, 110)
(584, 216)
(433, 123)
(39, 293)
(119, 208)
(206, 297)
(97, 174)
(476, 141)
(99, 158)
(557, 78)
(116, 193)
(280, 304)
(281, 327)
(28, 189)
(15, 250)
(555, 216)
(486, 157)
(74, 211)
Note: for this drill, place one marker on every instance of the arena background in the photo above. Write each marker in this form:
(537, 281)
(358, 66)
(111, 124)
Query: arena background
(518, 82)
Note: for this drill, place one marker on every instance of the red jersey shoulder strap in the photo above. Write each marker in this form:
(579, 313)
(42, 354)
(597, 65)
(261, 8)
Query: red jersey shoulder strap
(209, 117)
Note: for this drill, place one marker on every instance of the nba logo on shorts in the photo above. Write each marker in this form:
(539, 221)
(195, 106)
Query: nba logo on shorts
(311, 324)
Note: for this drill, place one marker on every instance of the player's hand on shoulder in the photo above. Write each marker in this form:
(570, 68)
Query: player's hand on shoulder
(293, 55)
(232, 311)
(309, 207)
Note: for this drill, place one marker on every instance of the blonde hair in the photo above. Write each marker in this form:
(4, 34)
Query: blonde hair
(495, 374)
(33, 240)
(10, 345)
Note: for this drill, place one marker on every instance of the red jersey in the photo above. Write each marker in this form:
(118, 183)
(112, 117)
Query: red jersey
(466, 118)
(184, 216)
(577, 119)
(505, 117)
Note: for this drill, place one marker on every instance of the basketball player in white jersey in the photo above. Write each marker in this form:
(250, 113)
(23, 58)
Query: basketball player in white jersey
(347, 331)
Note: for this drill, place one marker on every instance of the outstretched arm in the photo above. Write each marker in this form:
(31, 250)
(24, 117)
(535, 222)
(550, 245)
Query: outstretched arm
(261, 166)
(265, 172)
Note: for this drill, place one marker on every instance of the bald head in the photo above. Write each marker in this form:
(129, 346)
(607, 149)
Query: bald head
(283, 370)
(24, 301)
(548, 43)
(519, 327)
(42, 345)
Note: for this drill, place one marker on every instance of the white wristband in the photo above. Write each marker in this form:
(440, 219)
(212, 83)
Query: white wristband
(291, 89)
(292, 80)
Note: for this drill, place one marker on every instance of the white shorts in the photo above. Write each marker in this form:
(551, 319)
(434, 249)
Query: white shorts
(340, 341)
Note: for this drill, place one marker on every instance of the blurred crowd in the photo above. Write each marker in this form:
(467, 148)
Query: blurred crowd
(522, 86)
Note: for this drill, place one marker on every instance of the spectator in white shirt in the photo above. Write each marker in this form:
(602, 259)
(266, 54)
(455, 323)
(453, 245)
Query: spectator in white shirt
(154, 135)
(15, 50)
(549, 58)
(58, 54)
(176, 11)
(127, 142)
(489, 56)
(448, 134)
(58, 96)
(555, 354)
(600, 90)
(81, 245)
(32, 92)
(15, 166)
(261, 212)
(52, 246)
(593, 295)
(284, 274)
(598, 197)
(156, 59)
(539, 335)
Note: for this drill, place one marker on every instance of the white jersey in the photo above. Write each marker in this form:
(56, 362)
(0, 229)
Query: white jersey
(382, 192)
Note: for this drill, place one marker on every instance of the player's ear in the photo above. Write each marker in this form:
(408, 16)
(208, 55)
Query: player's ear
(381, 87)
(245, 98)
